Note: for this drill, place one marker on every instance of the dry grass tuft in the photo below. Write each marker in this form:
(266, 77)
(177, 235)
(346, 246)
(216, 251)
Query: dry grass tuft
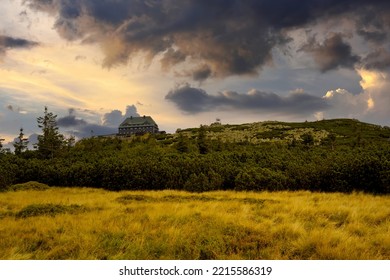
(50, 209)
(31, 185)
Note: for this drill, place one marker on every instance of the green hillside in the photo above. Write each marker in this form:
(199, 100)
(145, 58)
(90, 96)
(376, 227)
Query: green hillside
(325, 156)
(346, 131)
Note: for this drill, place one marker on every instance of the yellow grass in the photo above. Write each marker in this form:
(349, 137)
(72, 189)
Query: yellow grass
(180, 225)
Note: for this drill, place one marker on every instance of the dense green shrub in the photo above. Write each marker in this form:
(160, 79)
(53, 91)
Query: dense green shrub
(144, 164)
(8, 170)
(197, 183)
(258, 179)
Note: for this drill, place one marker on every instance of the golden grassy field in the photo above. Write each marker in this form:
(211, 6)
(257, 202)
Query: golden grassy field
(84, 223)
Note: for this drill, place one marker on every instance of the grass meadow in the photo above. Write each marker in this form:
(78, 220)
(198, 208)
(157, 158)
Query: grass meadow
(86, 223)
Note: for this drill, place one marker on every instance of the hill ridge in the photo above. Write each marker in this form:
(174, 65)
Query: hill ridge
(344, 129)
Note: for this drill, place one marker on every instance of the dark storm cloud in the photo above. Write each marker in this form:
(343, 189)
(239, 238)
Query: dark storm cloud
(111, 122)
(230, 37)
(131, 111)
(115, 117)
(196, 100)
(378, 59)
(333, 53)
(81, 128)
(94, 130)
(171, 58)
(373, 24)
(11, 42)
(7, 42)
(112, 118)
(374, 35)
(202, 73)
(191, 100)
(71, 120)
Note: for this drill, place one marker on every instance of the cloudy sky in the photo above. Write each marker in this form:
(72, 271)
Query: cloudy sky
(188, 62)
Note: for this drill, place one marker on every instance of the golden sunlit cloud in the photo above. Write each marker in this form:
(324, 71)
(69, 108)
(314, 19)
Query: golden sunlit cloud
(331, 93)
(370, 103)
(53, 75)
(370, 78)
(372, 83)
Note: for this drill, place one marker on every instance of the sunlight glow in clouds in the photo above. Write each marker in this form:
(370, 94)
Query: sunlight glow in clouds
(372, 100)
(49, 74)
(370, 103)
(373, 83)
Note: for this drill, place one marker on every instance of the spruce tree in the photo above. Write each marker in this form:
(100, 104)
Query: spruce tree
(51, 141)
(20, 143)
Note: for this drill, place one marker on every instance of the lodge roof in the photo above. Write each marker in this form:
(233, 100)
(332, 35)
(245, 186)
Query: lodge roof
(145, 120)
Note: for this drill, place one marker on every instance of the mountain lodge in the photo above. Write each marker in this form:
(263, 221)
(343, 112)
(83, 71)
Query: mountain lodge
(137, 125)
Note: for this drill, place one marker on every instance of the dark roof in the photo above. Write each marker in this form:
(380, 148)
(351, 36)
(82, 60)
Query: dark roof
(145, 120)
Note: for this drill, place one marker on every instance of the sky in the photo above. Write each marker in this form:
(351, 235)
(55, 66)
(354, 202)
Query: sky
(189, 62)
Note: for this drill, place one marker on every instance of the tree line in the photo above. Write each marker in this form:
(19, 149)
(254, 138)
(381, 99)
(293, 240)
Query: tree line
(197, 164)
(50, 142)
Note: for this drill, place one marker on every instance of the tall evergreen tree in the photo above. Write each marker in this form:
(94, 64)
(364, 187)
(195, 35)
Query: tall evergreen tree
(51, 141)
(20, 143)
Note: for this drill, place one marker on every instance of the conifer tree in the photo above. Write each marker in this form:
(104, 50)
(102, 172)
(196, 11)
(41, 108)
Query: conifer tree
(20, 143)
(51, 141)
